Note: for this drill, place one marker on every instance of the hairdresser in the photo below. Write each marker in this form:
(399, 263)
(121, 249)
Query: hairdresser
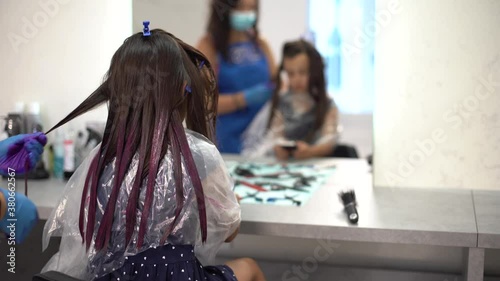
(244, 66)
(18, 214)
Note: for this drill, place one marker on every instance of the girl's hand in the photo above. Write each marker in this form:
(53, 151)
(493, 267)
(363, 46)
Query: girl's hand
(303, 151)
(238, 198)
(281, 153)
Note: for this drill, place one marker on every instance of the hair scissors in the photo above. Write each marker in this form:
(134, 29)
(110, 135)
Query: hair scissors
(274, 199)
(294, 201)
(281, 187)
(250, 195)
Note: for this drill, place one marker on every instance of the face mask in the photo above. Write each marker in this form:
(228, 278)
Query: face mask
(243, 21)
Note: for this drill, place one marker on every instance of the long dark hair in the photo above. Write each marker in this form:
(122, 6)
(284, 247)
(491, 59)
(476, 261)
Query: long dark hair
(317, 82)
(152, 84)
(219, 25)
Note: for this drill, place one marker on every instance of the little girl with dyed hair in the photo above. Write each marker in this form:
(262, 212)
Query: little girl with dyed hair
(154, 198)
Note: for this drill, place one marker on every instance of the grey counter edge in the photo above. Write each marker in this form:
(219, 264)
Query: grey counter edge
(488, 241)
(396, 236)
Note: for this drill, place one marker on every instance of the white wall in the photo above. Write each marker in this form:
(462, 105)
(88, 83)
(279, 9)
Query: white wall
(185, 19)
(283, 20)
(437, 122)
(64, 59)
(280, 20)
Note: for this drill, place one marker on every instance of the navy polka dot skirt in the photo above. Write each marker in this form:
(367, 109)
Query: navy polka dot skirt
(168, 263)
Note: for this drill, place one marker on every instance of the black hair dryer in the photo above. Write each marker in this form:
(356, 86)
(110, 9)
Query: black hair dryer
(349, 200)
(14, 124)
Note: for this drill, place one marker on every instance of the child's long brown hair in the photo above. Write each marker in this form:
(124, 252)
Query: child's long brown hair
(317, 82)
(152, 84)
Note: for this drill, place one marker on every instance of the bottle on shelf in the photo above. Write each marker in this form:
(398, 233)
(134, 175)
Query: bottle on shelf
(32, 120)
(59, 155)
(69, 154)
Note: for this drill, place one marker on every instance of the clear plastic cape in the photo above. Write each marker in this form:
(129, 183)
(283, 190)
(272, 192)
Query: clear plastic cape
(223, 213)
(258, 140)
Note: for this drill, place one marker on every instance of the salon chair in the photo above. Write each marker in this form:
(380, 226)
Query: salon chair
(343, 150)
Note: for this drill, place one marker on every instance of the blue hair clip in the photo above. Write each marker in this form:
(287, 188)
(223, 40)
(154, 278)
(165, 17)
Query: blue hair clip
(145, 31)
(188, 89)
(202, 63)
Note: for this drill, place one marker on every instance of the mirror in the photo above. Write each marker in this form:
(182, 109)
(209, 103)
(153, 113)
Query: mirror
(346, 66)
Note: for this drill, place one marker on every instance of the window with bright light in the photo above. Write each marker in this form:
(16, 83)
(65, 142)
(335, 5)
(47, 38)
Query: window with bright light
(343, 32)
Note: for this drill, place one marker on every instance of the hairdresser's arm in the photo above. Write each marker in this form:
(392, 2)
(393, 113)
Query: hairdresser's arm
(231, 103)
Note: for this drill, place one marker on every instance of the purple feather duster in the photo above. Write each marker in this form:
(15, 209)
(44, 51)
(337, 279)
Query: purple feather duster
(21, 153)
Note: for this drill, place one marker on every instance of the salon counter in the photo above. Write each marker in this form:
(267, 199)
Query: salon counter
(465, 219)
(487, 206)
(386, 215)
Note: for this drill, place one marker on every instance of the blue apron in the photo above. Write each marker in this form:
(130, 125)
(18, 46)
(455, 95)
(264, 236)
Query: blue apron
(247, 67)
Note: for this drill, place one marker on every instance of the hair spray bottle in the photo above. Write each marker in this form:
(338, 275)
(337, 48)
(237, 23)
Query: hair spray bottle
(69, 154)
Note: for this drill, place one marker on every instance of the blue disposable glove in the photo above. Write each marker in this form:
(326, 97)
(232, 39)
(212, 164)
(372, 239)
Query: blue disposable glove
(15, 150)
(259, 94)
(23, 213)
